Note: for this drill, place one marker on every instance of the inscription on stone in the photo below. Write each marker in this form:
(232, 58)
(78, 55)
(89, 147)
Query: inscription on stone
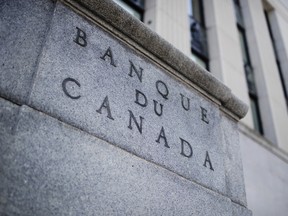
(97, 83)
(186, 149)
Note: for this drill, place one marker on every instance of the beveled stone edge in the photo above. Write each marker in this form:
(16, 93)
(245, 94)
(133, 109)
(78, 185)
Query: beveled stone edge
(137, 31)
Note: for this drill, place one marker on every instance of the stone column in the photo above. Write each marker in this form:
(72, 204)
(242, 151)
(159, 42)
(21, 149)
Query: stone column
(224, 49)
(271, 98)
(279, 27)
(169, 19)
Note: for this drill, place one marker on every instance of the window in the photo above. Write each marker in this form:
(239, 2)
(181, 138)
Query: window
(250, 79)
(199, 46)
(134, 7)
(276, 56)
(255, 114)
(238, 13)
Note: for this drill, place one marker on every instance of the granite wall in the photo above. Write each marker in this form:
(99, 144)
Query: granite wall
(99, 115)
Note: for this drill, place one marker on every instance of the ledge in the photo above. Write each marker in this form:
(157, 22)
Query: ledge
(115, 16)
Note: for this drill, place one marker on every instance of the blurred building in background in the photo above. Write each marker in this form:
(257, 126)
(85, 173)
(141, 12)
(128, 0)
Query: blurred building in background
(244, 43)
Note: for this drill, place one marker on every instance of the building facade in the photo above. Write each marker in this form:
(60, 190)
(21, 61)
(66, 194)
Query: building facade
(100, 115)
(244, 44)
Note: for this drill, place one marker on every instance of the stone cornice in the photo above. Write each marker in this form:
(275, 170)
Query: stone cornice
(118, 18)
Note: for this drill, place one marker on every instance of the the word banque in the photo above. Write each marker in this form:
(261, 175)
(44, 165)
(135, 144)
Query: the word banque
(104, 108)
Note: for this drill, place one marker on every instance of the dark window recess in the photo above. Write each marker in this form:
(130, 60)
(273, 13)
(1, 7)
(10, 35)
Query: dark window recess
(250, 79)
(238, 13)
(137, 3)
(199, 39)
(199, 43)
(284, 87)
(256, 114)
(134, 7)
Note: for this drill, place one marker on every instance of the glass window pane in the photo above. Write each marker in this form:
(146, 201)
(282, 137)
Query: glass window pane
(129, 9)
(196, 10)
(139, 3)
(199, 61)
(243, 47)
(198, 36)
(255, 115)
(238, 13)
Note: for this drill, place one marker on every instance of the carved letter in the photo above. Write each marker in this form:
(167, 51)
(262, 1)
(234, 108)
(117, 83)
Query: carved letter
(110, 55)
(81, 37)
(65, 89)
(189, 147)
(207, 159)
(138, 72)
(187, 107)
(144, 101)
(164, 92)
(155, 109)
(163, 136)
(204, 115)
(105, 105)
(139, 126)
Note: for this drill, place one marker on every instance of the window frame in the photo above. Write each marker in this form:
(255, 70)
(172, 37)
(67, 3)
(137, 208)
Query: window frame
(249, 73)
(198, 27)
(278, 62)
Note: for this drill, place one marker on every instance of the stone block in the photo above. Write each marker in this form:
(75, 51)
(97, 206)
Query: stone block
(23, 28)
(233, 162)
(8, 119)
(92, 80)
(52, 168)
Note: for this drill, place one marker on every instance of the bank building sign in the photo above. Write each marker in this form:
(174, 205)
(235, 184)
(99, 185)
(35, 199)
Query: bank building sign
(108, 88)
